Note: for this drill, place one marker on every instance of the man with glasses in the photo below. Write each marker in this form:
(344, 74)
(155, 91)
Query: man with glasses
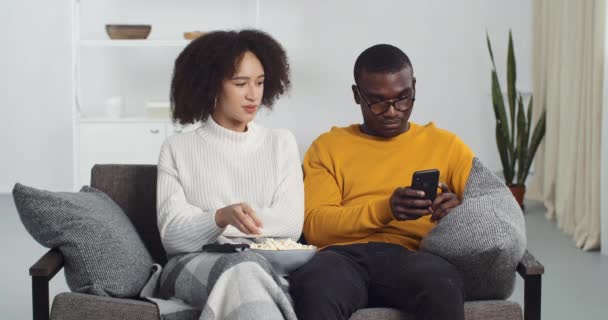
(359, 212)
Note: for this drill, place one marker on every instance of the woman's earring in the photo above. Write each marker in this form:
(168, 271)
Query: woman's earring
(214, 103)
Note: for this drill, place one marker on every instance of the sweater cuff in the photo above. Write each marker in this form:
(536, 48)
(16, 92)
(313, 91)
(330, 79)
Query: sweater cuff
(216, 228)
(215, 233)
(382, 210)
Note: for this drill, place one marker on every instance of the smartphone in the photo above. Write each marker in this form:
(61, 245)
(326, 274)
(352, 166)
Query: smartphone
(427, 181)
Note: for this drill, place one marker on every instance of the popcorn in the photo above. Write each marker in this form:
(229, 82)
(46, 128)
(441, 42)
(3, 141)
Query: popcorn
(283, 244)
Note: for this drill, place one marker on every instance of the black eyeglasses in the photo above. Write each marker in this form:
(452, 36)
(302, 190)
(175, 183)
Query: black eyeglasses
(380, 107)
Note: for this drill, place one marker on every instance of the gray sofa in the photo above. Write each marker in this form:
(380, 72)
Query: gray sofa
(133, 187)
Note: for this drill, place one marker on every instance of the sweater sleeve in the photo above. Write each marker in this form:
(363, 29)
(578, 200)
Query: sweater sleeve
(460, 164)
(285, 215)
(183, 226)
(326, 221)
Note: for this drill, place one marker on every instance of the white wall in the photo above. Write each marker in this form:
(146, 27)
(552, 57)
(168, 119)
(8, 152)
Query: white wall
(604, 154)
(444, 39)
(35, 81)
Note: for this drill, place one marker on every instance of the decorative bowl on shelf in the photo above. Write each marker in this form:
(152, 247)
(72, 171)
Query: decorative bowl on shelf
(193, 35)
(128, 31)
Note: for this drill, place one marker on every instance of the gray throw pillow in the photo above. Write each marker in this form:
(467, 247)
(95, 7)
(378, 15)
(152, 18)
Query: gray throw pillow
(484, 237)
(103, 253)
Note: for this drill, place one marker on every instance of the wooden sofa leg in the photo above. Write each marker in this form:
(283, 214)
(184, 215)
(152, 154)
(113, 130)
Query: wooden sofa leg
(40, 298)
(532, 293)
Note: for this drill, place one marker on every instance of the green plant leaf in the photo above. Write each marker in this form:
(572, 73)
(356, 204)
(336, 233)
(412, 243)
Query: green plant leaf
(522, 142)
(511, 77)
(503, 140)
(528, 127)
(490, 49)
(529, 121)
(537, 137)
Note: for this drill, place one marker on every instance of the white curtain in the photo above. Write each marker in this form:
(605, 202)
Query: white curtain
(568, 66)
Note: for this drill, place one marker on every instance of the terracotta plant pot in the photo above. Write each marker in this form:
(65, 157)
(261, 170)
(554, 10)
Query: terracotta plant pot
(518, 192)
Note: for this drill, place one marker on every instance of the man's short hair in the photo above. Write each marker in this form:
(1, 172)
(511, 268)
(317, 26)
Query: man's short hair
(381, 58)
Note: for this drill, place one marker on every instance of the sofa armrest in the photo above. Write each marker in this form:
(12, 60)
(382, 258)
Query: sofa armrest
(42, 272)
(48, 265)
(531, 271)
(530, 266)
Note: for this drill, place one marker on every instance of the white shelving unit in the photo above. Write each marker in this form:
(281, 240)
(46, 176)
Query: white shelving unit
(137, 70)
(134, 43)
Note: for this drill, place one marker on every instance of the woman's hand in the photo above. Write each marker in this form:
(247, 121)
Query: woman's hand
(240, 216)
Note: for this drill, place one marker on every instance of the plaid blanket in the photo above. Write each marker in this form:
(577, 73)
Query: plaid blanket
(207, 286)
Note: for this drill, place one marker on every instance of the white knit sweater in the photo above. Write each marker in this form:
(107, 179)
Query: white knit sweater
(202, 171)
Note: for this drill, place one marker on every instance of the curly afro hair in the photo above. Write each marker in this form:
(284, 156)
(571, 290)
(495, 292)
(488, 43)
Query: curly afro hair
(207, 61)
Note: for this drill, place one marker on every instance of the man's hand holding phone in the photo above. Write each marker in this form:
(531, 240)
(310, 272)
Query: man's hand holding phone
(444, 203)
(421, 198)
(409, 204)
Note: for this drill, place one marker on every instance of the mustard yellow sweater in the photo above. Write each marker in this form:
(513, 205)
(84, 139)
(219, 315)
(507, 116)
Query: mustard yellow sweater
(349, 177)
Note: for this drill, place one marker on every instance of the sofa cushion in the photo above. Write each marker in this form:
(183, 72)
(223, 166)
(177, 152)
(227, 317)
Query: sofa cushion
(76, 306)
(473, 310)
(67, 306)
(484, 237)
(103, 253)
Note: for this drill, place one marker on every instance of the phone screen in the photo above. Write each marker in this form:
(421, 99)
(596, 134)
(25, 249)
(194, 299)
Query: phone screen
(427, 181)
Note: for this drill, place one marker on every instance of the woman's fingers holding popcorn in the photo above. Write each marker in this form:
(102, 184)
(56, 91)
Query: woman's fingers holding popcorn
(236, 216)
(248, 223)
(250, 212)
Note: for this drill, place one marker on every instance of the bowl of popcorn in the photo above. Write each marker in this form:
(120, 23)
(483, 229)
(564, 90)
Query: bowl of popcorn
(285, 255)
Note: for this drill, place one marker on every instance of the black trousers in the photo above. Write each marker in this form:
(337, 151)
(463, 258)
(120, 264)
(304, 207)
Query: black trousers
(339, 280)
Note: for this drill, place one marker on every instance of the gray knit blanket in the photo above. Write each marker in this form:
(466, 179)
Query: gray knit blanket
(210, 286)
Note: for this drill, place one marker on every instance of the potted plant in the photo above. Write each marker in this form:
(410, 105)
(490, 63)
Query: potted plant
(515, 145)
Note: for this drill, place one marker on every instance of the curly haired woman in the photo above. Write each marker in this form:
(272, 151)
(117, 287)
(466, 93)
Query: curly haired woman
(230, 181)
